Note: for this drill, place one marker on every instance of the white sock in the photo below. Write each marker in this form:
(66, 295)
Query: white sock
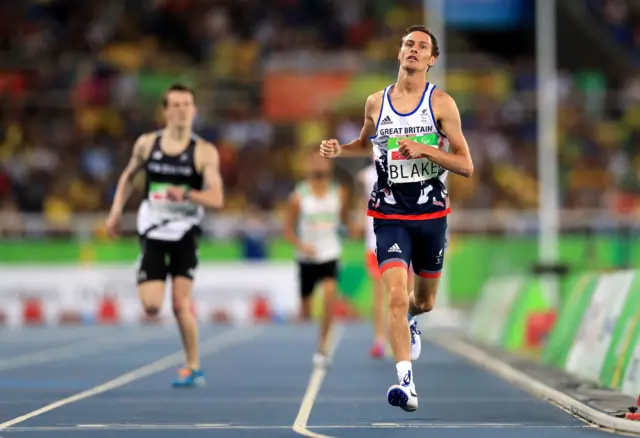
(404, 372)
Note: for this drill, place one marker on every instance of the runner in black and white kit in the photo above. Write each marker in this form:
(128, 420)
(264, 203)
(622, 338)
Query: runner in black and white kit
(182, 179)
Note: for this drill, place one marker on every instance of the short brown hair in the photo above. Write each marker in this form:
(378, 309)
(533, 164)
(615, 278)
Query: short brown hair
(435, 48)
(176, 87)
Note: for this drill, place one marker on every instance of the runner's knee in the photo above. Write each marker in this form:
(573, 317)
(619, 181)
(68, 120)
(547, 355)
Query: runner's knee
(398, 298)
(329, 288)
(151, 310)
(181, 305)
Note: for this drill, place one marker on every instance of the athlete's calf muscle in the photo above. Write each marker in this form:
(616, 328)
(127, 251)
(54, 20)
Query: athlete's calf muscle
(424, 295)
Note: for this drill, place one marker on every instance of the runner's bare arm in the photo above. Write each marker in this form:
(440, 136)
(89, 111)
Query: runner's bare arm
(209, 163)
(291, 220)
(136, 163)
(345, 208)
(344, 205)
(448, 118)
(363, 200)
(359, 146)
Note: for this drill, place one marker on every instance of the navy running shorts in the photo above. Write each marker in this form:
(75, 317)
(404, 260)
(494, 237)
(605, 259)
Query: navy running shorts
(421, 243)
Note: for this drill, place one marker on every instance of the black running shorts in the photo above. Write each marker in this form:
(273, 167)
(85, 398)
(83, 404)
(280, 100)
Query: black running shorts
(162, 258)
(310, 274)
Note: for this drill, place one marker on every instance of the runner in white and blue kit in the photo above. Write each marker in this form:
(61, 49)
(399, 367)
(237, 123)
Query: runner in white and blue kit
(416, 133)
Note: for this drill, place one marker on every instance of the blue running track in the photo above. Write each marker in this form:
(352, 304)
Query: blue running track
(256, 380)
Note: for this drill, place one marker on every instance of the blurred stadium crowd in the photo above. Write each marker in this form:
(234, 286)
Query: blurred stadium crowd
(79, 81)
(621, 18)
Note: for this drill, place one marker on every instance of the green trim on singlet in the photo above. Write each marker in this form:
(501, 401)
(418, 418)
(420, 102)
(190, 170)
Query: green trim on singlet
(428, 139)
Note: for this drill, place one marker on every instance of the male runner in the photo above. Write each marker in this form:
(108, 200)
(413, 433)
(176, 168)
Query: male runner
(417, 136)
(367, 178)
(315, 211)
(178, 165)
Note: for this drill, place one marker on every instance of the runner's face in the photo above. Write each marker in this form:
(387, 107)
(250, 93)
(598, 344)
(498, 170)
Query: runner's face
(415, 52)
(319, 169)
(180, 110)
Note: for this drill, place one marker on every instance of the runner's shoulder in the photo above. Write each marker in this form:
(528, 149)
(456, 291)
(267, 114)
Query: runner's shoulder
(373, 104)
(375, 99)
(205, 145)
(144, 143)
(147, 137)
(205, 154)
(440, 97)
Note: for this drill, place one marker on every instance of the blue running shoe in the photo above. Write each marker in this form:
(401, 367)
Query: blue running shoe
(189, 379)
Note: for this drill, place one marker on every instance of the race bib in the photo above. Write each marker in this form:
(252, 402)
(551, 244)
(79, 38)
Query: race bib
(161, 204)
(403, 170)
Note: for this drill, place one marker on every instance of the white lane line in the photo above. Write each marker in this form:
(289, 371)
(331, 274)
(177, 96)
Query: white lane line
(227, 426)
(313, 388)
(296, 400)
(80, 348)
(211, 346)
(505, 371)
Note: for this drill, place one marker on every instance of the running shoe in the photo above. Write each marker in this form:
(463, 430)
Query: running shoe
(188, 378)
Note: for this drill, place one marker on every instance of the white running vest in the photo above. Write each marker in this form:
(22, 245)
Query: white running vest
(173, 223)
(319, 223)
(419, 126)
(369, 178)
